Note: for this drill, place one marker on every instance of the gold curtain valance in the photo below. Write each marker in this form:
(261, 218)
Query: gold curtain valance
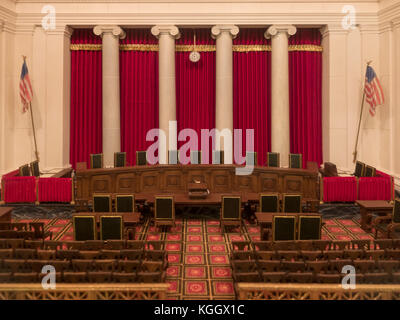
(200, 48)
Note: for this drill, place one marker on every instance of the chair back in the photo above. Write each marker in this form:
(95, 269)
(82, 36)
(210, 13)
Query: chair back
(164, 208)
(37, 228)
(396, 211)
(173, 156)
(96, 161)
(111, 227)
(24, 171)
(283, 228)
(119, 159)
(84, 228)
(218, 157)
(124, 203)
(310, 227)
(269, 202)
(141, 158)
(231, 206)
(292, 203)
(359, 170)
(251, 158)
(273, 159)
(101, 203)
(35, 168)
(195, 157)
(369, 171)
(295, 160)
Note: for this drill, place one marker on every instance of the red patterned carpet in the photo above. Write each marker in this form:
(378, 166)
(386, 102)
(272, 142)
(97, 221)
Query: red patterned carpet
(198, 252)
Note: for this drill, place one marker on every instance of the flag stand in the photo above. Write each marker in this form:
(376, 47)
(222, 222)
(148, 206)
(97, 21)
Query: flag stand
(359, 121)
(33, 126)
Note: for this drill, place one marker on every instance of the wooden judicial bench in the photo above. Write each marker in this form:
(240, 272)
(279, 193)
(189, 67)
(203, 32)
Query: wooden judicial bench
(145, 182)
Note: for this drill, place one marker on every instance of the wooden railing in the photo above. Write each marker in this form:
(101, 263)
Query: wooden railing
(282, 291)
(79, 291)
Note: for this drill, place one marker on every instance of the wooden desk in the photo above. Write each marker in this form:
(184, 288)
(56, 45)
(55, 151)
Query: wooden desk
(5, 214)
(367, 207)
(147, 181)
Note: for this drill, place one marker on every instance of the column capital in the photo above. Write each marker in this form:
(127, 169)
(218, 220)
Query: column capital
(220, 28)
(116, 31)
(170, 30)
(273, 30)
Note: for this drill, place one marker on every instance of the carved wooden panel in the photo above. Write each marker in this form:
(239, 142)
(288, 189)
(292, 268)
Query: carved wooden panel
(293, 184)
(198, 175)
(126, 183)
(173, 181)
(101, 184)
(149, 181)
(246, 183)
(221, 181)
(269, 182)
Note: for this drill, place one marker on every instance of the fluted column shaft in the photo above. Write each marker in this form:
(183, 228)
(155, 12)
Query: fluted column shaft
(111, 90)
(280, 121)
(167, 94)
(224, 81)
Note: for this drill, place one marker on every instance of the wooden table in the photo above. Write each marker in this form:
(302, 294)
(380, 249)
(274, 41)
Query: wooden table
(5, 214)
(367, 207)
(265, 219)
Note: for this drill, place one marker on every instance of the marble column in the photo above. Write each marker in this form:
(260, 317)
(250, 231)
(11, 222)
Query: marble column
(280, 122)
(166, 35)
(111, 100)
(224, 83)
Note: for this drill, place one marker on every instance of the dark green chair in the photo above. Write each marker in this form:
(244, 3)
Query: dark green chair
(24, 171)
(359, 170)
(102, 203)
(119, 159)
(292, 203)
(369, 171)
(84, 228)
(35, 168)
(251, 158)
(218, 157)
(164, 211)
(283, 228)
(111, 227)
(96, 161)
(173, 156)
(310, 227)
(273, 159)
(269, 202)
(124, 203)
(195, 157)
(231, 211)
(295, 160)
(141, 158)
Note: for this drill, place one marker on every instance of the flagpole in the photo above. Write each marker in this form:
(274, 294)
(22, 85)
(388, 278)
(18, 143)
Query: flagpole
(359, 121)
(33, 125)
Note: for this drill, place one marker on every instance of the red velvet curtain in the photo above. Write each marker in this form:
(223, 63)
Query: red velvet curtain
(305, 86)
(252, 91)
(139, 91)
(86, 98)
(195, 86)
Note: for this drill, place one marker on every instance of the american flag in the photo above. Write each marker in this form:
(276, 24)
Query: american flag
(373, 90)
(25, 88)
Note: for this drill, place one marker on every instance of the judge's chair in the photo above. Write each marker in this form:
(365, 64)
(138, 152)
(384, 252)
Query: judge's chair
(141, 158)
(231, 212)
(251, 158)
(96, 161)
(195, 157)
(295, 160)
(119, 159)
(218, 157)
(273, 159)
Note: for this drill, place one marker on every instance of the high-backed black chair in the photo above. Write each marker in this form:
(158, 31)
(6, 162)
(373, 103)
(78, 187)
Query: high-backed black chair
(119, 159)
(195, 157)
(96, 161)
(101, 203)
(310, 227)
(359, 170)
(251, 158)
(173, 156)
(124, 203)
(292, 203)
(164, 211)
(269, 202)
(24, 171)
(231, 211)
(84, 228)
(218, 157)
(295, 160)
(141, 158)
(111, 227)
(369, 171)
(273, 159)
(283, 228)
(35, 168)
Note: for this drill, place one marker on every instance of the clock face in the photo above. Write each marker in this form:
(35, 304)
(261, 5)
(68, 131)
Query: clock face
(194, 56)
